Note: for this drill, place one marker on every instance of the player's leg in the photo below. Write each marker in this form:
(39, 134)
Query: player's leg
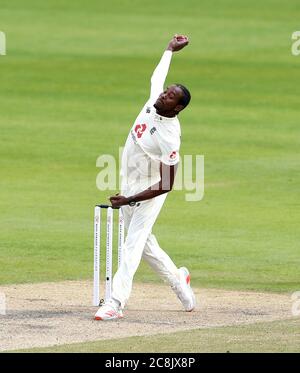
(127, 212)
(177, 278)
(140, 226)
(141, 222)
(160, 261)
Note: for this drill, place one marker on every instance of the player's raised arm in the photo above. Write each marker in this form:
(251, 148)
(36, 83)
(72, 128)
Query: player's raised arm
(160, 73)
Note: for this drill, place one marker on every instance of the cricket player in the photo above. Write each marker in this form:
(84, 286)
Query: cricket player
(149, 162)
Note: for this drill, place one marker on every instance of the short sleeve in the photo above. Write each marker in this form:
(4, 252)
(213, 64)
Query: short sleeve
(170, 153)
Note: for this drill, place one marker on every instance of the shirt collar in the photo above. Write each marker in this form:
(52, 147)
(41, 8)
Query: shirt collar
(160, 118)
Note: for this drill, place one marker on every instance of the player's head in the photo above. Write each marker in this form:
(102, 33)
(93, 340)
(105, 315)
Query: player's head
(186, 97)
(173, 100)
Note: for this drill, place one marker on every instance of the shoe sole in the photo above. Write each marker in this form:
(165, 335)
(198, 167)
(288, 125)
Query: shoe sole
(194, 300)
(188, 282)
(98, 318)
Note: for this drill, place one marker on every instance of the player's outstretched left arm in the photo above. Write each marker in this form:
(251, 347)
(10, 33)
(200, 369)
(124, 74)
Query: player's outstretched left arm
(165, 185)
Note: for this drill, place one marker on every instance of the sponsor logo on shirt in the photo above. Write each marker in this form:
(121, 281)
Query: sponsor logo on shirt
(139, 129)
(148, 110)
(153, 129)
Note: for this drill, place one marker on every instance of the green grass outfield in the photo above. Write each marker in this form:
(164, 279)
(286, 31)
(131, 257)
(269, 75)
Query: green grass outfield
(278, 336)
(74, 78)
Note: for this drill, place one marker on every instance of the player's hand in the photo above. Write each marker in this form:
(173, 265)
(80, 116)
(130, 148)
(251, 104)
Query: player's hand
(118, 201)
(178, 42)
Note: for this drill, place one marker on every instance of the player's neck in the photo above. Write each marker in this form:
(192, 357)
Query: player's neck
(169, 114)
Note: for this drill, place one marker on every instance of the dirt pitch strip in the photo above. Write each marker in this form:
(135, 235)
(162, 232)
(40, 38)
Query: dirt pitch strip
(48, 314)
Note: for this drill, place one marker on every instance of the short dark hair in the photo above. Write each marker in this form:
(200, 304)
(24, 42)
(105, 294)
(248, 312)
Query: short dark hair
(185, 100)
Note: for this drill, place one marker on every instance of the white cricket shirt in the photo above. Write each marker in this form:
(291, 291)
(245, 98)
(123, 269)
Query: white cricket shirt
(151, 140)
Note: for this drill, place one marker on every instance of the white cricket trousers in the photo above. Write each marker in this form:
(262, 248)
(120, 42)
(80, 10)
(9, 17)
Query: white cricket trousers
(140, 242)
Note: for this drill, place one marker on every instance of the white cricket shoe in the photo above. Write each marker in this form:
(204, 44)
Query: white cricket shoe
(184, 291)
(108, 311)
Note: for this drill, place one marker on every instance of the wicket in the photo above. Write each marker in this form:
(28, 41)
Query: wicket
(109, 250)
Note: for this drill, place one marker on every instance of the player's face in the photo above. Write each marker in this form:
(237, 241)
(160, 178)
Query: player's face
(169, 99)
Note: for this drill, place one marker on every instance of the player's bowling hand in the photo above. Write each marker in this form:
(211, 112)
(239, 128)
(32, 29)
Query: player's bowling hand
(118, 201)
(178, 42)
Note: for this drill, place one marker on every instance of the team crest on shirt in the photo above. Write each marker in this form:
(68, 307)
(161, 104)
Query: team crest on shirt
(173, 155)
(139, 129)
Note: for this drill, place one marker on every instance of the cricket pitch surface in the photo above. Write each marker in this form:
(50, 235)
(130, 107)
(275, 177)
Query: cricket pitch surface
(48, 314)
